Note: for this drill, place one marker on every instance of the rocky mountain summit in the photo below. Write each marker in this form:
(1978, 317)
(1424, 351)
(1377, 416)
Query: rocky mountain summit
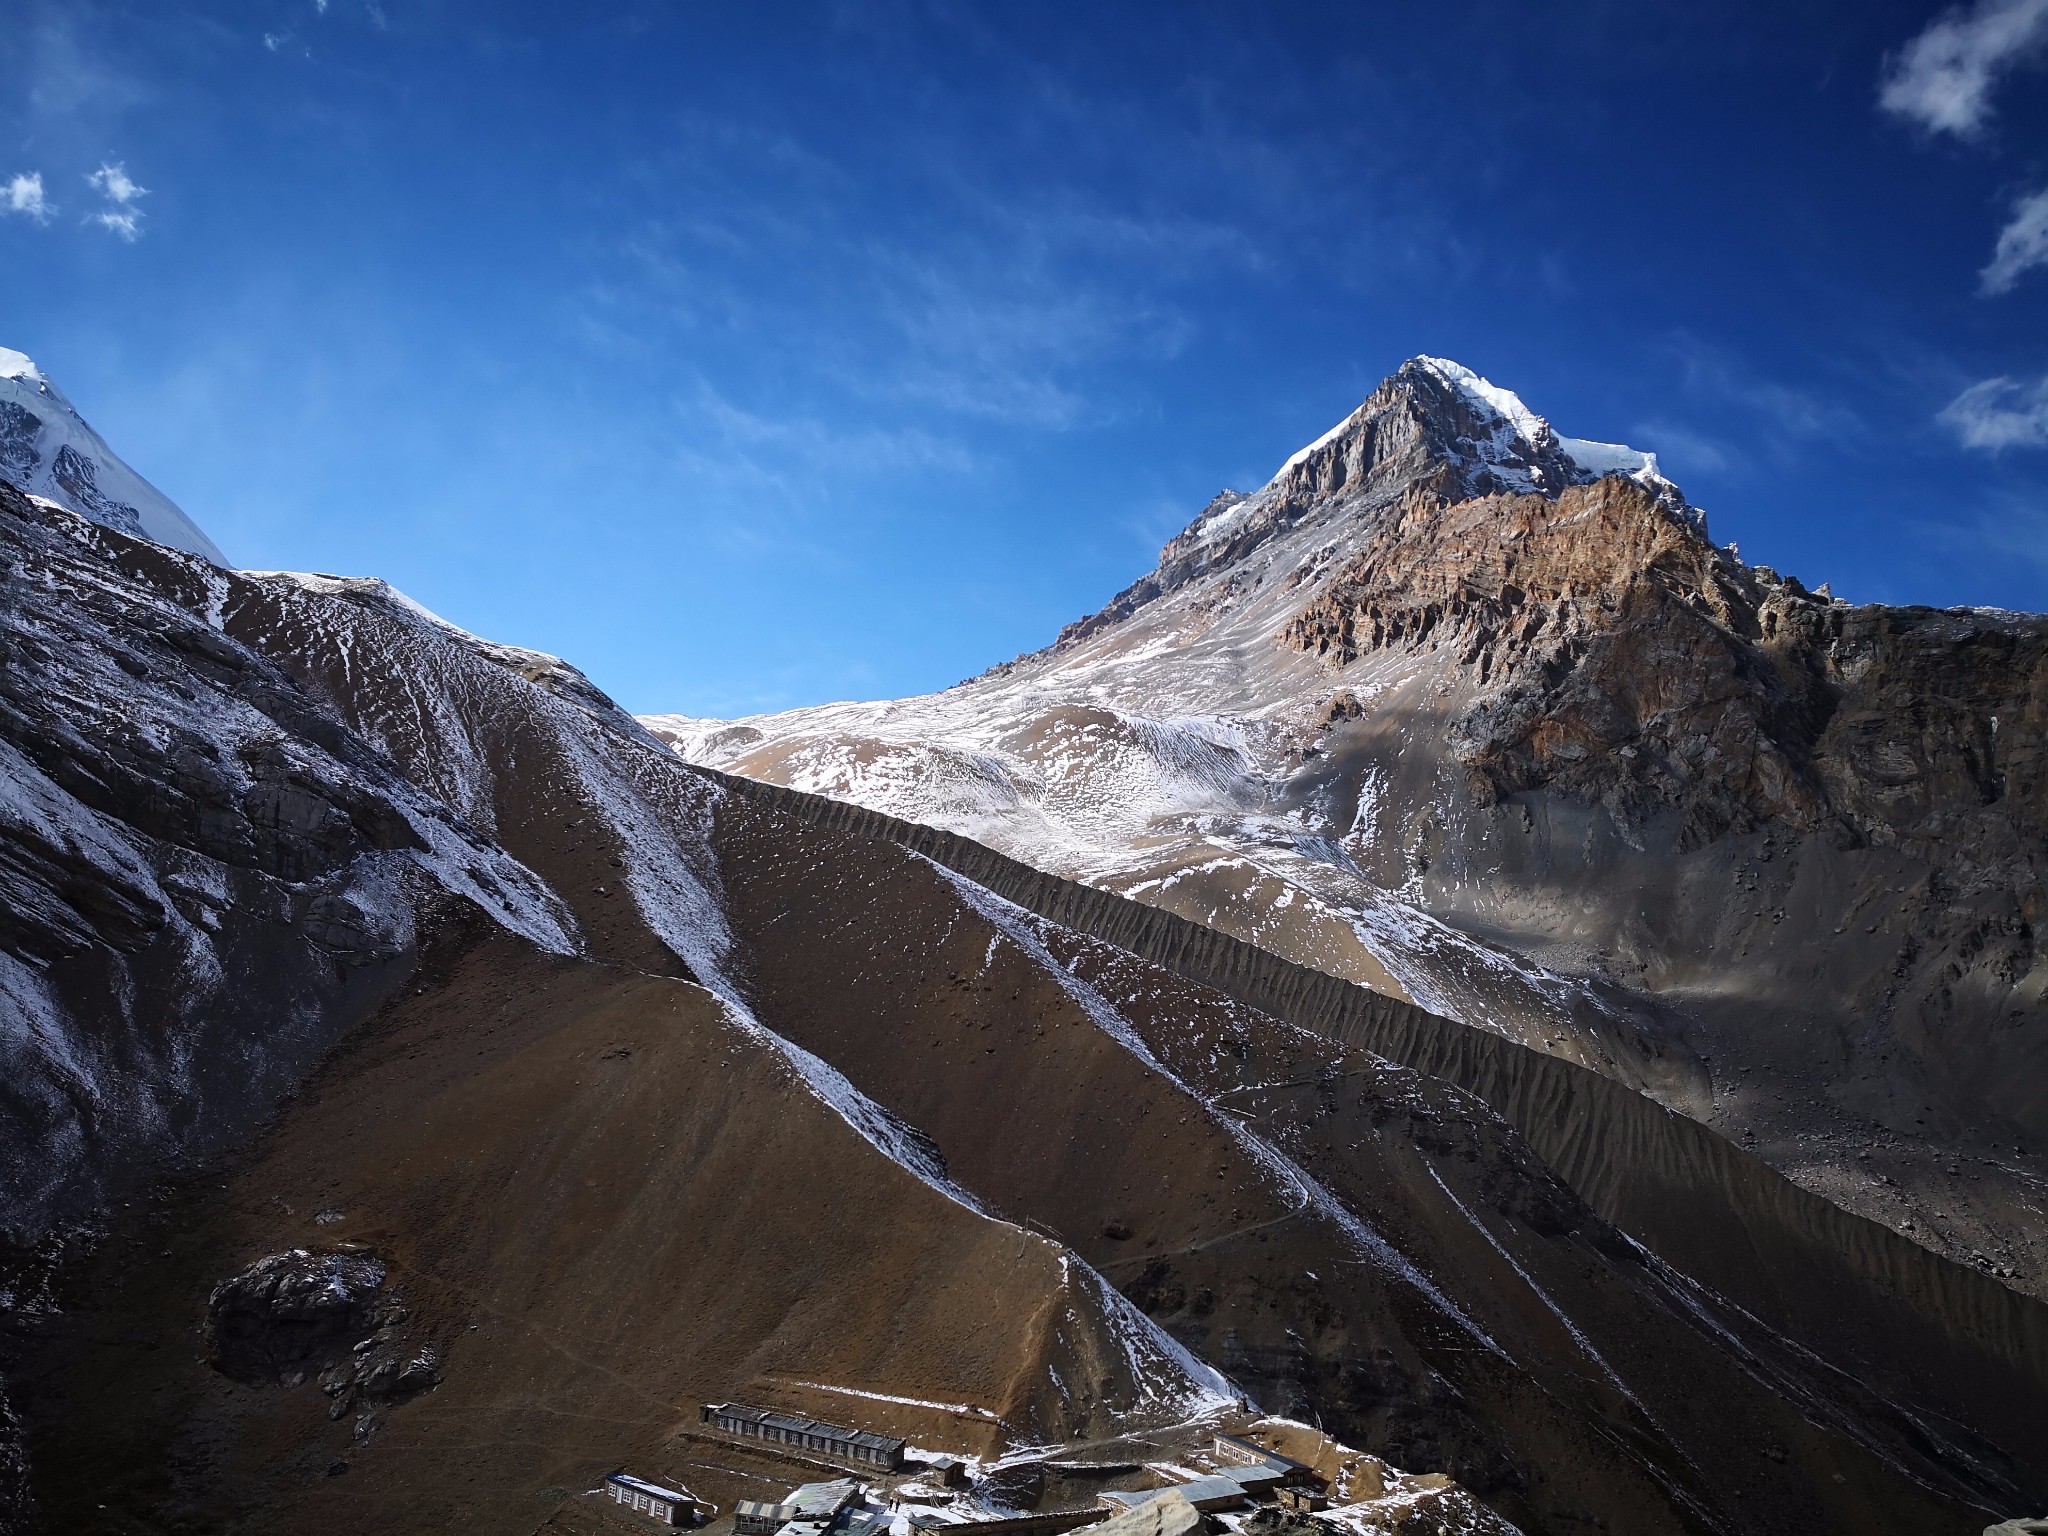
(1434, 427)
(1480, 716)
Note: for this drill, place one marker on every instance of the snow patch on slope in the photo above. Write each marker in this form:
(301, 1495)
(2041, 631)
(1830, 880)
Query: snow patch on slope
(1170, 1377)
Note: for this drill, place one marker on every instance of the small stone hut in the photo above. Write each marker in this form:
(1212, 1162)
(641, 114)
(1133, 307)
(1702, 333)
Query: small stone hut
(665, 1506)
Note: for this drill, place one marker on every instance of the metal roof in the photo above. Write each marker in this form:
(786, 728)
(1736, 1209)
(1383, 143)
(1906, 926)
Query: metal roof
(655, 1490)
(1203, 1490)
(797, 1424)
(1253, 1448)
(1258, 1475)
(820, 1501)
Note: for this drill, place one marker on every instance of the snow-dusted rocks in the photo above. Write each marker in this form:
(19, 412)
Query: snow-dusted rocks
(203, 875)
(48, 450)
(1517, 450)
(291, 1314)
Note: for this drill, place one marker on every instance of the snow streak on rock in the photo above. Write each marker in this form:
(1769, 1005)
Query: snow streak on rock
(1022, 928)
(1172, 1381)
(880, 1129)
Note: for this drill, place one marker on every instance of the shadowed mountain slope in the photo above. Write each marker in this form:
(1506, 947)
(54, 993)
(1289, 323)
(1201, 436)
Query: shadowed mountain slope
(203, 876)
(601, 1200)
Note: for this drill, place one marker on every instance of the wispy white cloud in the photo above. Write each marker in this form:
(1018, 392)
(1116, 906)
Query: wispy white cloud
(22, 193)
(2022, 244)
(1944, 78)
(2000, 413)
(1684, 448)
(996, 317)
(1762, 421)
(113, 183)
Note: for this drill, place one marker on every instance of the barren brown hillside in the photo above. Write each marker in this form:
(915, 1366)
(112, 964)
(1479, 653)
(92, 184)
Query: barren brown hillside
(602, 1201)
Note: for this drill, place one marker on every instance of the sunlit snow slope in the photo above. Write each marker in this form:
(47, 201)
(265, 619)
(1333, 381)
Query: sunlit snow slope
(48, 450)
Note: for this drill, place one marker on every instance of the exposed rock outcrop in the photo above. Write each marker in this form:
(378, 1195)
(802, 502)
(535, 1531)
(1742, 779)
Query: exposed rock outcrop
(294, 1314)
(1617, 657)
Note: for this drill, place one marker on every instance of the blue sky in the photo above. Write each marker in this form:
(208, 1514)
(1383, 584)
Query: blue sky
(751, 355)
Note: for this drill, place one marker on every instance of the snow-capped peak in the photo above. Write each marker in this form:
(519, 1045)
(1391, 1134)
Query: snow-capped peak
(18, 365)
(1432, 423)
(1489, 396)
(1493, 439)
(1534, 436)
(48, 450)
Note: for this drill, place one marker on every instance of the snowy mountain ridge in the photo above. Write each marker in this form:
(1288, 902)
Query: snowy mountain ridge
(1529, 435)
(49, 450)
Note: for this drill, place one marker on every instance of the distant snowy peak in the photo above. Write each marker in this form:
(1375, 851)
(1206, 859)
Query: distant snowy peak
(48, 450)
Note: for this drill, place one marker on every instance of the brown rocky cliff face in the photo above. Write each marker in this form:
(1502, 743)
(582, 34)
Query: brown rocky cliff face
(1941, 725)
(1620, 658)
